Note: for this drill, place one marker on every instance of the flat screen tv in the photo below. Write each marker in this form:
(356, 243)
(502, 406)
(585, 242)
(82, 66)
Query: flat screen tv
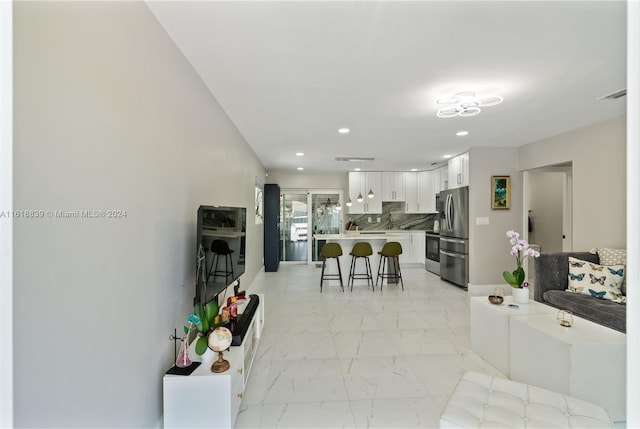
(221, 250)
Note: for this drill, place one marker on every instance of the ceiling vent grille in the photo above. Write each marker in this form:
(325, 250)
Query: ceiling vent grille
(614, 95)
(354, 158)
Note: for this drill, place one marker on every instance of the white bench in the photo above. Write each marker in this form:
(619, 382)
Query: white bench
(481, 400)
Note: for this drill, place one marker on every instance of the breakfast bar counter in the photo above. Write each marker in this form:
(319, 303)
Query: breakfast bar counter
(377, 239)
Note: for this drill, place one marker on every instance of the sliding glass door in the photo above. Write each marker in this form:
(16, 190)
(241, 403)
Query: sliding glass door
(294, 226)
(303, 214)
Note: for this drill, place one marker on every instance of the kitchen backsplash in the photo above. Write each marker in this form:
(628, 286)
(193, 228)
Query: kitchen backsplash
(393, 217)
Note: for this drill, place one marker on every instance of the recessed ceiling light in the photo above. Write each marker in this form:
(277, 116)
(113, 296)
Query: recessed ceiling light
(447, 156)
(462, 133)
(344, 130)
(414, 169)
(299, 154)
(357, 169)
(300, 168)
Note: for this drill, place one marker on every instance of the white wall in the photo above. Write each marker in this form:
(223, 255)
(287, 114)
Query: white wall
(598, 156)
(545, 195)
(488, 244)
(633, 214)
(307, 180)
(597, 153)
(109, 115)
(6, 223)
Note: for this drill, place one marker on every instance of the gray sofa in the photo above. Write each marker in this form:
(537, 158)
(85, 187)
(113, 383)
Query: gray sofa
(552, 279)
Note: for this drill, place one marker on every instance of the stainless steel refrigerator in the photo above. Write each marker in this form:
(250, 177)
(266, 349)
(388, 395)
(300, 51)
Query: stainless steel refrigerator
(454, 236)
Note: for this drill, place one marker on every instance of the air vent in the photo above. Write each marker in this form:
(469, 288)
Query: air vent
(614, 95)
(353, 158)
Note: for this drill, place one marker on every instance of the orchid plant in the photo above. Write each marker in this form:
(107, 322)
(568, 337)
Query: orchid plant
(521, 251)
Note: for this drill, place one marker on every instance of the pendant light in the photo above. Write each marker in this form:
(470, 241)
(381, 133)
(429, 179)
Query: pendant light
(349, 203)
(359, 198)
(370, 194)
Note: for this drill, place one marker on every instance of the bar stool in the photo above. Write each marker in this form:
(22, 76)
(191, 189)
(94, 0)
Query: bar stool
(220, 248)
(390, 251)
(331, 250)
(363, 250)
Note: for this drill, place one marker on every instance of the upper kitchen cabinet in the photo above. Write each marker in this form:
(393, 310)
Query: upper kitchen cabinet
(419, 192)
(459, 171)
(393, 184)
(360, 183)
(411, 192)
(426, 197)
(440, 179)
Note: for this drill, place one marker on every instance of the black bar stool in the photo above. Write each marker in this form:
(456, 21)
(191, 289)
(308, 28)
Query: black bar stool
(390, 251)
(220, 248)
(331, 250)
(361, 250)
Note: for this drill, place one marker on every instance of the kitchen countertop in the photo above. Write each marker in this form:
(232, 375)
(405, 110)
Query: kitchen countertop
(370, 234)
(354, 236)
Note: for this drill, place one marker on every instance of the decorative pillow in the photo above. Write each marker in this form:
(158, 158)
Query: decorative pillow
(613, 257)
(598, 281)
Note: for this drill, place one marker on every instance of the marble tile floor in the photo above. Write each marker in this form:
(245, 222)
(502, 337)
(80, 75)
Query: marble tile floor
(357, 359)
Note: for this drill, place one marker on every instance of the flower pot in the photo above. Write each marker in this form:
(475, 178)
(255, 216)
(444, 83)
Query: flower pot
(520, 295)
(209, 356)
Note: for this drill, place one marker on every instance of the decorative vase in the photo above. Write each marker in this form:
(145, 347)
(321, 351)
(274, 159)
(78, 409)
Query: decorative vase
(183, 359)
(520, 295)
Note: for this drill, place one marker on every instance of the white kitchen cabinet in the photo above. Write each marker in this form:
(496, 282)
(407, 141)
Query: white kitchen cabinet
(412, 192)
(413, 246)
(360, 183)
(418, 192)
(440, 179)
(444, 178)
(459, 171)
(404, 238)
(418, 242)
(393, 183)
(425, 194)
(222, 393)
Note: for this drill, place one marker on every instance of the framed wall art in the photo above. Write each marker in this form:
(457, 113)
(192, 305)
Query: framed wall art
(500, 192)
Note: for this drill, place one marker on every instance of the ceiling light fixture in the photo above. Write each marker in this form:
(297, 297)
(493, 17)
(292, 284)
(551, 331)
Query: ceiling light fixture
(300, 168)
(462, 133)
(370, 194)
(299, 154)
(465, 104)
(359, 198)
(414, 169)
(447, 156)
(349, 203)
(344, 130)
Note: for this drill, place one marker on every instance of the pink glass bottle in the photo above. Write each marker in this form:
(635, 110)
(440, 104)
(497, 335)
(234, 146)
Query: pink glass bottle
(183, 360)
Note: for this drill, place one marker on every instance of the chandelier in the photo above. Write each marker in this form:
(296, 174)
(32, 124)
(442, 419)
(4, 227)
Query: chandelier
(465, 104)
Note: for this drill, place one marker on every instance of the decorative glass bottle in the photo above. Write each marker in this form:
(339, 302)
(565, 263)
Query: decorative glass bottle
(183, 360)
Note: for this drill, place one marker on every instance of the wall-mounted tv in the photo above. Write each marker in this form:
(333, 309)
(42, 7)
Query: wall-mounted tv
(221, 249)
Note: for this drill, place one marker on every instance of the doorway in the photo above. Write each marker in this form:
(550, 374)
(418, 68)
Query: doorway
(549, 207)
(303, 214)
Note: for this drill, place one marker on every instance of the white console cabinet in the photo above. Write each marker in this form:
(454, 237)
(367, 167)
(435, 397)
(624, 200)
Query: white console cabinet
(204, 399)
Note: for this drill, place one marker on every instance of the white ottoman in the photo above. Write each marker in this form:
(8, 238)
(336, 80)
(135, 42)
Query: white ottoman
(481, 401)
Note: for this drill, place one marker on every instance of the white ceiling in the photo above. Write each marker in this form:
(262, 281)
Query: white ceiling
(290, 73)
